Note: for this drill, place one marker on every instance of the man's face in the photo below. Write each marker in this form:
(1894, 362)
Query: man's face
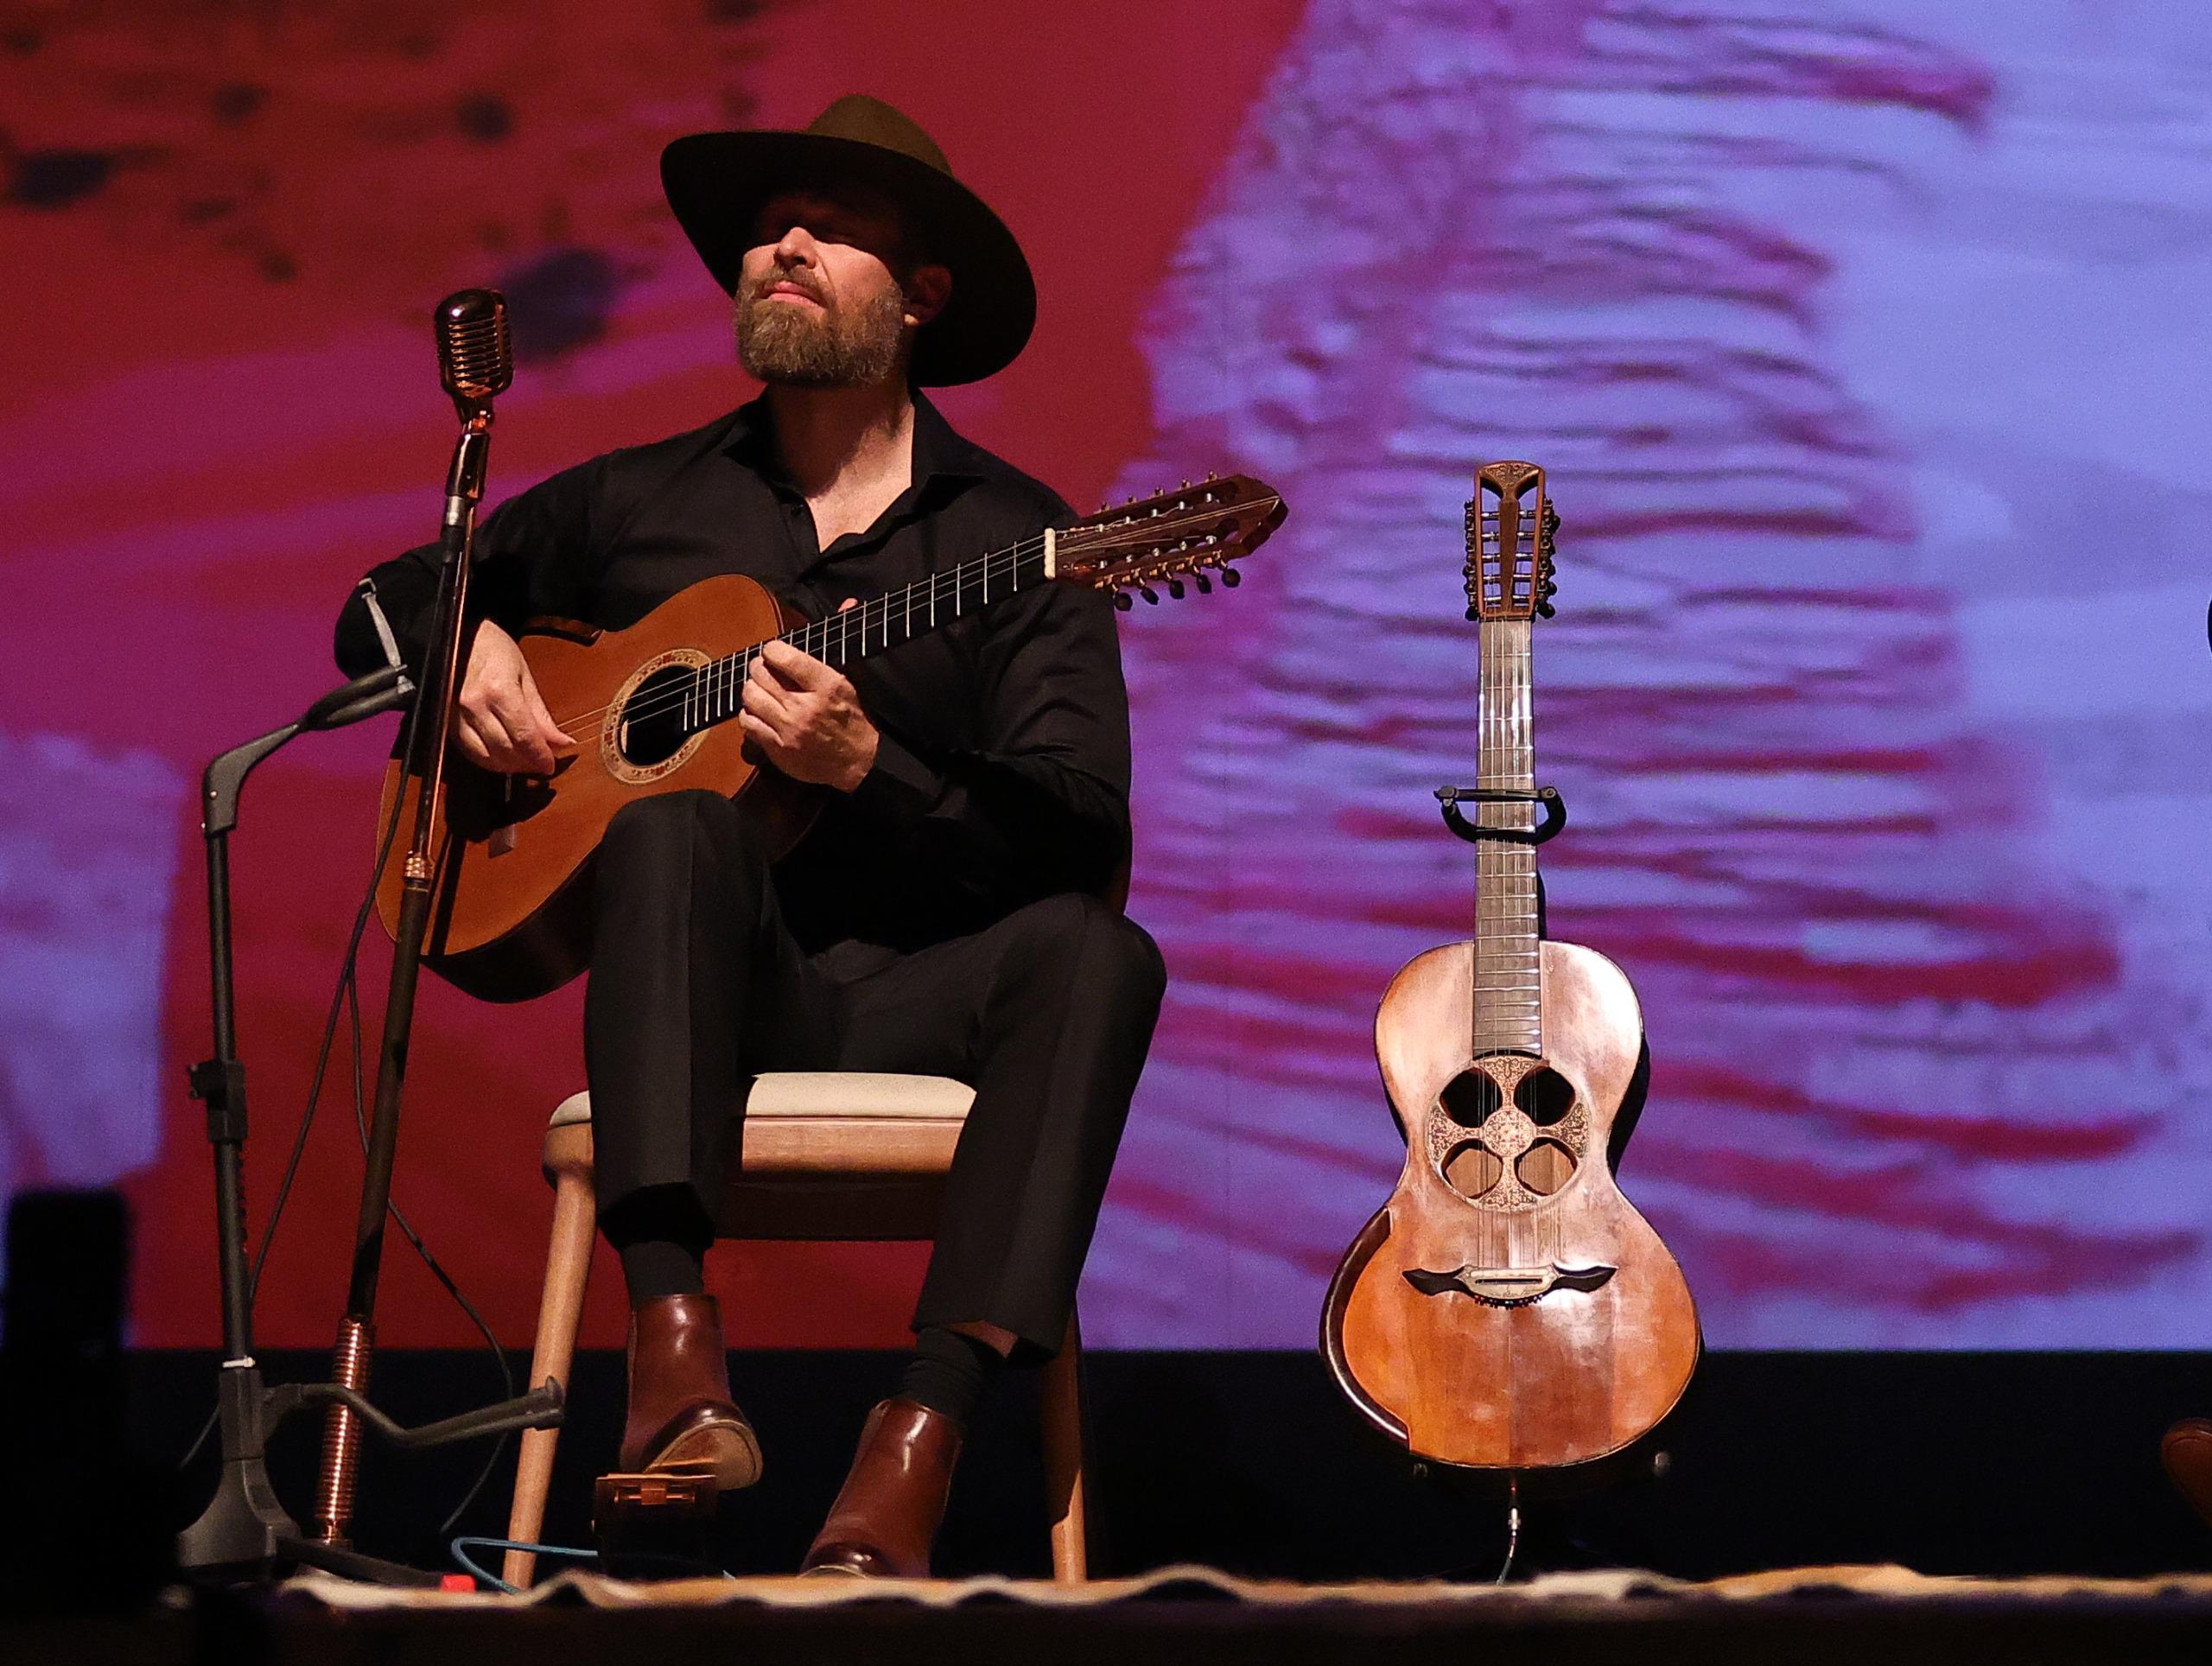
(818, 302)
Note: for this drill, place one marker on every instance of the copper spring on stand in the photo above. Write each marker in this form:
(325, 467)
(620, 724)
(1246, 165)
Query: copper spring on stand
(341, 1434)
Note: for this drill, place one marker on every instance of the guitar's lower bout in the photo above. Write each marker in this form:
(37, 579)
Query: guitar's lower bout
(1551, 1333)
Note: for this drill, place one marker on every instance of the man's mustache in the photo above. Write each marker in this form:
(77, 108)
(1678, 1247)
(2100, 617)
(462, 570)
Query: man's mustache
(766, 287)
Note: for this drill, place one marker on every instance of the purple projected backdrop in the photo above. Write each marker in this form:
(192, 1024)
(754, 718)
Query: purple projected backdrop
(1864, 346)
(1867, 367)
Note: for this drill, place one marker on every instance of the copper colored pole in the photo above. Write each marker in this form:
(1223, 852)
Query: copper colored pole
(341, 1434)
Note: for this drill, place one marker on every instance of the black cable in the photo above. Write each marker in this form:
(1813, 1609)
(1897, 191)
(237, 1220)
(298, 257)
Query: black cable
(346, 986)
(346, 997)
(438, 1272)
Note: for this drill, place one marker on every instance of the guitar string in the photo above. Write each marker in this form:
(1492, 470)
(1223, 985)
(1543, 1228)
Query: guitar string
(1507, 873)
(1485, 741)
(1156, 529)
(876, 612)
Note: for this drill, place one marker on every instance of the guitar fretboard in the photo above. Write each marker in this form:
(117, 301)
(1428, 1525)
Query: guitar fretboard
(716, 693)
(1508, 984)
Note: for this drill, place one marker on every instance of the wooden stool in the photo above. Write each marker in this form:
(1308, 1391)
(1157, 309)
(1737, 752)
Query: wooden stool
(828, 1155)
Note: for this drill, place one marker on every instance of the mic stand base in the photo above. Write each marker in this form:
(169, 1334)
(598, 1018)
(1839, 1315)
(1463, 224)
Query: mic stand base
(245, 1533)
(239, 1533)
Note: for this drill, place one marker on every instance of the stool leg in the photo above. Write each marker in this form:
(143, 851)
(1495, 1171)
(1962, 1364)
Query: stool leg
(1061, 1405)
(560, 1315)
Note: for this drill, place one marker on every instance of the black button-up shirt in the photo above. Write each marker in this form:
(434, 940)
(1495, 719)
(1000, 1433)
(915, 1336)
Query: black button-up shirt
(1003, 774)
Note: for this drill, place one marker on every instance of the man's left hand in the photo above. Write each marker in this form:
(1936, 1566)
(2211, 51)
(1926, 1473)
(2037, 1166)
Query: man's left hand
(807, 718)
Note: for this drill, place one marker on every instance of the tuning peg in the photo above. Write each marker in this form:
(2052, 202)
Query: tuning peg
(1205, 584)
(1545, 610)
(1175, 589)
(1149, 593)
(1122, 600)
(1232, 577)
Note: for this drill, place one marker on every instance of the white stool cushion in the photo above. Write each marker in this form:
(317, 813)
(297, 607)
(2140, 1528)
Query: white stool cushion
(830, 1093)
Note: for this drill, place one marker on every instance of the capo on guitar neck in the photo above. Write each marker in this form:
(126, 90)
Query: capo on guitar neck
(1554, 817)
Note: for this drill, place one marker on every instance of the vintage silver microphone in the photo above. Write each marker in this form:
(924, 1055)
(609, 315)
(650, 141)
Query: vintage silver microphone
(476, 363)
(476, 360)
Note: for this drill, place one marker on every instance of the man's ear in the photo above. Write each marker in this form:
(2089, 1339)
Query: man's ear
(927, 291)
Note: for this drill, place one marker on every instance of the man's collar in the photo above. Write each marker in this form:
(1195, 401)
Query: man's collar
(940, 453)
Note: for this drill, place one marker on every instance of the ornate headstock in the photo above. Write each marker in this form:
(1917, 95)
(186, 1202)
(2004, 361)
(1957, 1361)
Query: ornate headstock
(1191, 532)
(1511, 524)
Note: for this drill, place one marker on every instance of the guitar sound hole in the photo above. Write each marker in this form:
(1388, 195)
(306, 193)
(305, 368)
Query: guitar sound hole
(1544, 1096)
(653, 730)
(1545, 1167)
(1471, 1170)
(1469, 1097)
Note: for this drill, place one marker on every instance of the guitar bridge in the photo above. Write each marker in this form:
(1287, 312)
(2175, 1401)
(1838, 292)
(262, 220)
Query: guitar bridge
(1509, 1286)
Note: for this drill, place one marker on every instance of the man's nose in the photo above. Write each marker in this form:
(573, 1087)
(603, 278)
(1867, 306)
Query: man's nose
(796, 248)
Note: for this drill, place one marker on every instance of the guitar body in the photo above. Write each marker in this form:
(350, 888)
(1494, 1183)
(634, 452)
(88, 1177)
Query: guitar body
(1503, 1361)
(511, 899)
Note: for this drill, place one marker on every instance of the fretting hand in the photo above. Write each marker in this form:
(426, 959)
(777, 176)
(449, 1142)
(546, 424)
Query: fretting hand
(807, 718)
(501, 720)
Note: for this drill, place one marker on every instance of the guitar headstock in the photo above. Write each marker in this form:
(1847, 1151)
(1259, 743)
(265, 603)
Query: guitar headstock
(1192, 533)
(1510, 527)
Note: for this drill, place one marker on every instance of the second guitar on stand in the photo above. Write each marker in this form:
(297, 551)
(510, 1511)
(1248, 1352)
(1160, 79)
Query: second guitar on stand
(1508, 1309)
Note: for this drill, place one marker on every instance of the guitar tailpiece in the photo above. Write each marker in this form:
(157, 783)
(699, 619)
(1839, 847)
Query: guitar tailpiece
(1554, 806)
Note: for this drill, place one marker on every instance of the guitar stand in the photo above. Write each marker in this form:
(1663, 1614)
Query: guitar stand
(245, 1532)
(1554, 809)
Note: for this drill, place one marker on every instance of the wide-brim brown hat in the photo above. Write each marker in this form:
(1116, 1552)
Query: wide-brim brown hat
(717, 183)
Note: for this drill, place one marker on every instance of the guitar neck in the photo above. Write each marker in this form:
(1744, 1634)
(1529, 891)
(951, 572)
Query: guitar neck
(1508, 1006)
(877, 626)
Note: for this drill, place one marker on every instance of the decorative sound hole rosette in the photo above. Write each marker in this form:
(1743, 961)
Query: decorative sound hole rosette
(1507, 1135)
(661, 706)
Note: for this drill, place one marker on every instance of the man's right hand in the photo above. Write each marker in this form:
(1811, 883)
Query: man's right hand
(501, 723)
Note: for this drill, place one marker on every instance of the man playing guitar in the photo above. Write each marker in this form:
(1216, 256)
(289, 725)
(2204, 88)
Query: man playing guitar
(944, 915)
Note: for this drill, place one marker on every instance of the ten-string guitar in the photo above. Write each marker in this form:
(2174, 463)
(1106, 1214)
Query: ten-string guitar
(512, 854)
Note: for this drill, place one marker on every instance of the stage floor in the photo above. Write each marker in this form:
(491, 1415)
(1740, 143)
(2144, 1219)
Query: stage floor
(1808, 1616)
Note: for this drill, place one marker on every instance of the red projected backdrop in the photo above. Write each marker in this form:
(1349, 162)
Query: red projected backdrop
(1857, 348)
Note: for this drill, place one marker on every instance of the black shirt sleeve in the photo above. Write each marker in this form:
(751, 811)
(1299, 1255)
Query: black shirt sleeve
(534, 554)
(1042, 803)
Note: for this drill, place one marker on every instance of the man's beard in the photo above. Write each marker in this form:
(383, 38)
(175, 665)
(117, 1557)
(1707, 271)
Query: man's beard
(839, 347)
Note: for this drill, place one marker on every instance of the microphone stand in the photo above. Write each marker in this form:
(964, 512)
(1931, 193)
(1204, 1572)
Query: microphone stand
(429, 725)
(245, 1531)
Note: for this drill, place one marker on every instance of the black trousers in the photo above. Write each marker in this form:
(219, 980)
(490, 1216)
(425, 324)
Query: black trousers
(696, 986)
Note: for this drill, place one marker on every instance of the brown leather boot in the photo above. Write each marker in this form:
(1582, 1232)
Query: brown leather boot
(886, 1514)
(680, 1415)
(2187, 1452)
